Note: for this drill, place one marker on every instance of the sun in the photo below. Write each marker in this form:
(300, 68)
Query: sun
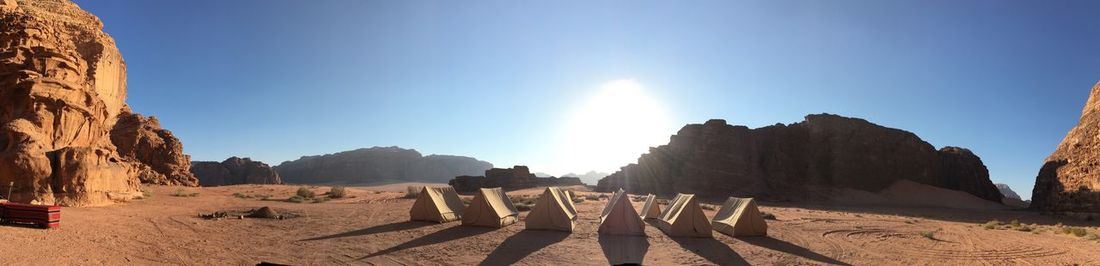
(617, 123)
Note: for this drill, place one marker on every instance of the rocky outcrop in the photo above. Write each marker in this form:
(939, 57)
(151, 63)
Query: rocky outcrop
(141, 139)
(517, 177)
(62, 94)
(1007, 191)
(235, 171)
(378, 165)
(1069, 181)
(792, 162)
(62, 87)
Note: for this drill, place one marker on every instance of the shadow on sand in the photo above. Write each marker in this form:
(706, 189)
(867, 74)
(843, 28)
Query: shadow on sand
(709, 248)
(445, 235)
(521, 245)
(786, 247)
(621, 250)
(385, 228)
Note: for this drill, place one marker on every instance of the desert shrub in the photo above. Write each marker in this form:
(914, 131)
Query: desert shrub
(337, 192)
(1092, 236)
(1024, 228)
(603, 196)
(992, 224)
(1076, 231)
(637, 198)
(768, 216)
(928, 234)
(305, 193)
(145, 193)
(296, 199)
(592, 197)
(708, 207)
(241, 195)
(412, 192)
(183, 193)
(578, 199)
(320, 199)
(1014, 223)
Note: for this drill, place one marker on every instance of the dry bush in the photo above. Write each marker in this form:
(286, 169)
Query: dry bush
(182, 193)
(994, 224)
(412, 192)
(305, 193)
(337, 192)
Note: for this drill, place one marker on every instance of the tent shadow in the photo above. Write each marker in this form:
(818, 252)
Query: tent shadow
(445, 235)
(385, 228)
(621, 250)
(709, 248)
(786, 247)
(522, 244)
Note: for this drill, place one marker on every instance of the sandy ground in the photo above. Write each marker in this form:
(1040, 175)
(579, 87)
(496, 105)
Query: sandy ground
(372, 228)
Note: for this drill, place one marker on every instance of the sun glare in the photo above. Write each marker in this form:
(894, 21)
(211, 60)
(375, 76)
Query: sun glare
(611, 128)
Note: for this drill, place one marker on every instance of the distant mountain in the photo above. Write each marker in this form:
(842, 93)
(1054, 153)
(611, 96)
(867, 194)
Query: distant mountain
(378, 165)
(1007, 191)
(541, 174)
(591, 177)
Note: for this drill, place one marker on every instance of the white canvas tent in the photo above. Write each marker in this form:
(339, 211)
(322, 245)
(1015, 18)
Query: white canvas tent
(490, 208)
(651, 210)
(620, 218)
(684, 217)
(436, 204)
(553, 210)
(740, 217)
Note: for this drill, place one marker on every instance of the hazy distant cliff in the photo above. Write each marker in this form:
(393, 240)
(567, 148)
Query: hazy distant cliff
(788, 161)
(379, 165)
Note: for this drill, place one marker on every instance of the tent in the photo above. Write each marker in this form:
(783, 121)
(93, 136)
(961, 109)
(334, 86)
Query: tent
(490, 208)
(651, 210)
(740, 217)
(436, 204)
(684, 217)
(620, 218)
(553, 210)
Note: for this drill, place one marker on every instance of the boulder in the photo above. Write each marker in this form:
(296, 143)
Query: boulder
(1069, 181)
(794, 162)
(235, 171)
(517, 177)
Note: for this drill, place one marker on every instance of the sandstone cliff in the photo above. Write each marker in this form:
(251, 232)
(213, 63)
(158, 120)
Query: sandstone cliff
(1070, 180)
(62, 90)
(141, 139)
(378, 165)
(517, 177)
(235, 171)
(791, 162)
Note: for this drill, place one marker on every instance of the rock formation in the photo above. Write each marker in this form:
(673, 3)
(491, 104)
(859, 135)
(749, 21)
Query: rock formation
(235, 171)
(378, 165)
(517, 177)
(160, 153)
(591, 177)
(1007, 191)
(62, 90)
(1069, 181)
(792, 162)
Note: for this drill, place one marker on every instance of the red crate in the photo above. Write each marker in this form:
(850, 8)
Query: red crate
(41, 215)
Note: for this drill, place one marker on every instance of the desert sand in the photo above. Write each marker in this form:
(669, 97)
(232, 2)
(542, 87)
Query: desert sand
(370, 227)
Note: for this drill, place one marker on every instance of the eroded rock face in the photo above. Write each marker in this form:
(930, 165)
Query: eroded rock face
(1007, 191)
(378, 165)
(141, 139)
(235, 171)
(790, 162)
(1070, 178)
(517, 177)
(62, 90)
(62, 87)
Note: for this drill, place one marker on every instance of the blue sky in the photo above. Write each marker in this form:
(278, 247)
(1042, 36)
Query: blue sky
(501, 80)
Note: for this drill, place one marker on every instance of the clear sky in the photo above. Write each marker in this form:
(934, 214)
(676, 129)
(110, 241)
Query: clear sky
(518, 82)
